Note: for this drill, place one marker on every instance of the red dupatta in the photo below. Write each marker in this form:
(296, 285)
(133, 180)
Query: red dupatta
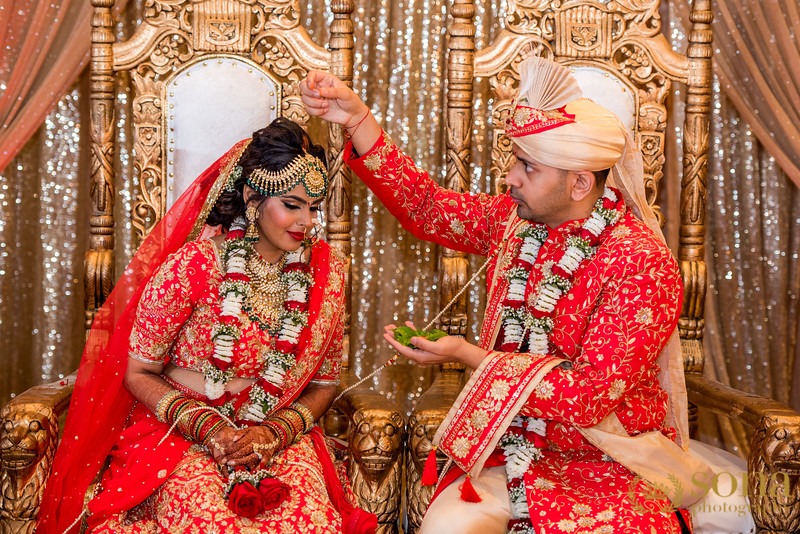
(100, 403)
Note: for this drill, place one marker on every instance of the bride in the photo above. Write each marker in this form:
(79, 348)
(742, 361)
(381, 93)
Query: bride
(209, 365)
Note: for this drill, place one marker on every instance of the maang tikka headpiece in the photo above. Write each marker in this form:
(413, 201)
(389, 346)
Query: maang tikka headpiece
(304, 168)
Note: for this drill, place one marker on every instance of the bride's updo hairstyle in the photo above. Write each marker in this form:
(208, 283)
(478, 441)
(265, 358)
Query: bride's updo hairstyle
(271, 149)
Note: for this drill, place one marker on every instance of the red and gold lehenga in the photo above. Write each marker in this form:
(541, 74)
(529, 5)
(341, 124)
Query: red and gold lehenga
(163, 310)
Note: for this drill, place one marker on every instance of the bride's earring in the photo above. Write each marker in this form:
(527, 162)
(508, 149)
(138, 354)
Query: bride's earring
(251, 214)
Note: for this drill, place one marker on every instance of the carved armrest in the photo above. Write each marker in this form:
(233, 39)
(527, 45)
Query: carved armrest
(773, 467)
(28, 439)
(428, 414)
(375, 432)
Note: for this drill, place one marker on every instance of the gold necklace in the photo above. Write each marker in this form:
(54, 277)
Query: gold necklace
(267, 290)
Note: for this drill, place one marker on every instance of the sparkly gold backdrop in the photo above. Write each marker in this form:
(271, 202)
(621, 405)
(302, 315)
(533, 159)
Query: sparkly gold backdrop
(400, 71)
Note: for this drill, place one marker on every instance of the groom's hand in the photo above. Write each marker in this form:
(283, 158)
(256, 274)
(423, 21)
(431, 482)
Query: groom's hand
(326, 96)
(448, 349)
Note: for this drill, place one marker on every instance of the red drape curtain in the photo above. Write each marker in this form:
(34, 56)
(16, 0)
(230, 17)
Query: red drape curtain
(757, 60)
(44, 45)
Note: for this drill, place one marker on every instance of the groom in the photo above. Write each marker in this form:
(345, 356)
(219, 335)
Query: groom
(569, 420)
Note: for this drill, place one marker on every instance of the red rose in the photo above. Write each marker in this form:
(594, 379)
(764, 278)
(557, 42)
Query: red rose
(608, 203)
(524, 264)
(593, 240)
(536, 312)
(296, 266)
(229, 319)
(558, 271)
(245, 500)
(237, 276)
(234, 234)
(222, 399)
(269, 387)
(273, 493)
(539, 442)
(508, 347)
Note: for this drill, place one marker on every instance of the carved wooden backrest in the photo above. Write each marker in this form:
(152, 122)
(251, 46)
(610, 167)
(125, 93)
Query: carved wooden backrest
(206, 74)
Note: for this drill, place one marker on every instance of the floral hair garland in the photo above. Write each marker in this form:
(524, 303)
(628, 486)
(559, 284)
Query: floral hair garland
(525, 437)
(234, 292)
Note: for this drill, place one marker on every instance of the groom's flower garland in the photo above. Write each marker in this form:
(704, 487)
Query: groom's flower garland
(234, 291)
(521, 442)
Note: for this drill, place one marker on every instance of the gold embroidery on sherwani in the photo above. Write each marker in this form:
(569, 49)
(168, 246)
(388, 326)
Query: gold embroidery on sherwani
(499, 389)
(373, 162)
(544, 390)
(644, 316)
(617, 389)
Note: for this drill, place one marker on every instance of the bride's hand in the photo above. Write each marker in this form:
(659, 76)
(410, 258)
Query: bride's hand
(326, 96)
(243, 451)
(222, 443)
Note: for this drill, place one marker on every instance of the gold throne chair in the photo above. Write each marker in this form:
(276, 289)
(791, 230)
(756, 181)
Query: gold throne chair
(205, 73)
(624, 63)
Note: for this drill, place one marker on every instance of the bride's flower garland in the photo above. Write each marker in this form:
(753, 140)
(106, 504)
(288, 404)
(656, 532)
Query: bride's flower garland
(234, 291)
(519, 443)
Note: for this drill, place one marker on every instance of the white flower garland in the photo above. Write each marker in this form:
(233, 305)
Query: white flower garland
(234, 292)
(520, 451)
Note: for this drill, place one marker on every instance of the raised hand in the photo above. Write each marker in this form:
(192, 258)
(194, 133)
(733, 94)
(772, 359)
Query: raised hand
(327, 97)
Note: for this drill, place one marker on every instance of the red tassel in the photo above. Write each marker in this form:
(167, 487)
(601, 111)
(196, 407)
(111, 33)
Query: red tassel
(468, 493)
(429, 473)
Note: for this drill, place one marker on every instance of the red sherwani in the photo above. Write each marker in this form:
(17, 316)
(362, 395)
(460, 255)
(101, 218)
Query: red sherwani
(608, 332)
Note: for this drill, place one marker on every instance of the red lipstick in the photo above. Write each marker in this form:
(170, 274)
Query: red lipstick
(299, 236)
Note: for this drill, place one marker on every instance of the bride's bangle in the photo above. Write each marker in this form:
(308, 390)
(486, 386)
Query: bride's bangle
(304, 413)
(164, 402)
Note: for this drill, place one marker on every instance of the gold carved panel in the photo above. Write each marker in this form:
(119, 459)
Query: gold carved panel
(177, 33)
(221, 26)
(622, 38)
(583, 31)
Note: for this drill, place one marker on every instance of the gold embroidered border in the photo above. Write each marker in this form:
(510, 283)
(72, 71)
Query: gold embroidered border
(226, 166)
(486, 406)
(326, 318)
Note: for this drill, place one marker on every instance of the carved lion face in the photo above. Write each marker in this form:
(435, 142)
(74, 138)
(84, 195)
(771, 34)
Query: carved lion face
(376, 438)
(783, 449)
(23, 437)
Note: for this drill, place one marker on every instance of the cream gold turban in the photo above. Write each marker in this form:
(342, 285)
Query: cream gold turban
(553, 124)
(592, 140)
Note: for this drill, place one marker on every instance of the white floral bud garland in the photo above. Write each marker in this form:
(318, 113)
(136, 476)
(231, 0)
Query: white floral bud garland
(518, 442)
(234, 293)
